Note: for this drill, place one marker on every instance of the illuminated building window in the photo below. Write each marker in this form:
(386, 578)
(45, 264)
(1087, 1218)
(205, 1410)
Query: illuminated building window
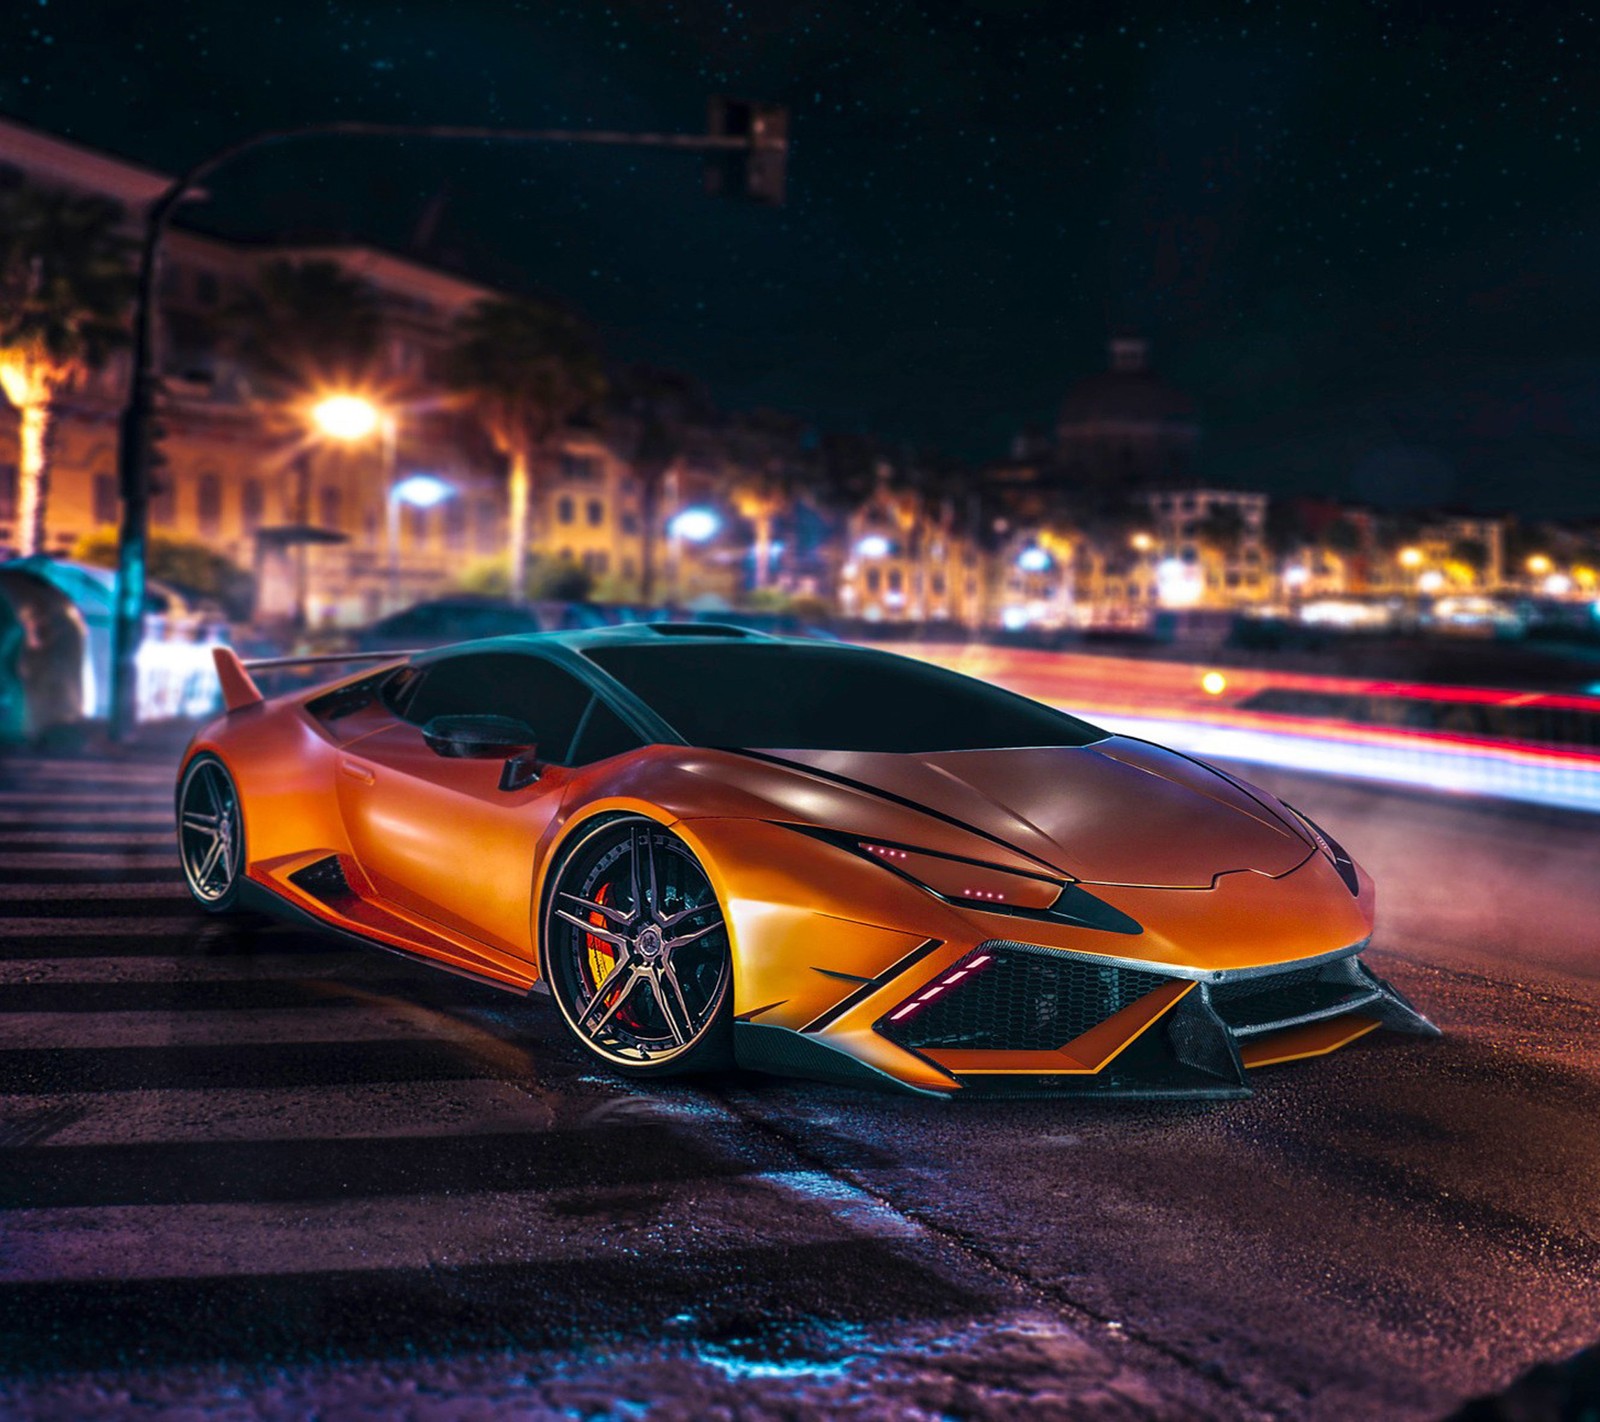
(564, 510)
(208, 503)
(630, 523)
(105, 497)
(938, 584)
(8, 491)
(595, 511)
(455, 523)
(252, 502)
(487, 514)
(597, 562)
(896, 581)
(332, 506)
(874, 579)
(164, 500)
(580, 468)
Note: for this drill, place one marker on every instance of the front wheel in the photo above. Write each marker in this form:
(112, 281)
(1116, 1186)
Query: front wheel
(210, 835)
(636, 952)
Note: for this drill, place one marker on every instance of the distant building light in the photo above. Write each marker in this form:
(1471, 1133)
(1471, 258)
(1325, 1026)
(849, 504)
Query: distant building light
(1558, 585)
(1213, 683)
(1539, 564)
(874, 545)
(1410, 557)
(421, 491)
(694, 525)
(1431, 581)
(1014, 619)
(1296, 576)
(1033, 560)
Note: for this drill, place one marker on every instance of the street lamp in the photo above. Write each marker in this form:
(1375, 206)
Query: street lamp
(346, 417)
(1411, 558)
(694, 525)
(351, 417)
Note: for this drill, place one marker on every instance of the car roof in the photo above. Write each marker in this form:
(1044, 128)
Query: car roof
(630, 634)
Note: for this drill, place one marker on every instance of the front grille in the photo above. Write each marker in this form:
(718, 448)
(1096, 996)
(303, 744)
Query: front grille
(1022, 999)
(1252, 1005)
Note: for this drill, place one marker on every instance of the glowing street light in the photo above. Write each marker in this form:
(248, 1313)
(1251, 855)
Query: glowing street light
(874, 545)
(1539, 565)
(694, 525)
(346, 417)
(1410, 557)
(422, 491)
(1033, 560)
(1142, 542)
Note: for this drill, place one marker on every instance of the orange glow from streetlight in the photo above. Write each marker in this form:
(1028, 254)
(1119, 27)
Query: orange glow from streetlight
(345, 417)
(1410, 557)
(1539, 565)
(1143, 542)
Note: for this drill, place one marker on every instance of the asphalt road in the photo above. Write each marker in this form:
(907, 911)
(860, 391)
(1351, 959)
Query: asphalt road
(248, 1171)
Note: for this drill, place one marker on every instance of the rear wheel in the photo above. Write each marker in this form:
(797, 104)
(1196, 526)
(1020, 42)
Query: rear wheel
(210, 835)
(636, 952)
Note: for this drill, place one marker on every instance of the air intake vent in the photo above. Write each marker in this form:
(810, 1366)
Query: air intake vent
(1006, 997)
(699, 629)
(324, 881)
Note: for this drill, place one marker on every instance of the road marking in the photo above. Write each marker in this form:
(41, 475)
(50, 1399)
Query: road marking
(18, 842)
(358, 1021)
(364, 1110)
(42, 893)
(133, 858)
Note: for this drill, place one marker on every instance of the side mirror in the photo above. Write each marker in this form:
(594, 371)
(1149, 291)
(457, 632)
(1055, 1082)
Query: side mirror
(478, 737)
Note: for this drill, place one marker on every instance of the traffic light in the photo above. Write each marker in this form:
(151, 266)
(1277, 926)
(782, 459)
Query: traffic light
(756, 171)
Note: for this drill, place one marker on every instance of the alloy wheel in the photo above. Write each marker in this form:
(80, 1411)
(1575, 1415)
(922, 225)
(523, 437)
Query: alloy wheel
(636, 949)
(210, 833)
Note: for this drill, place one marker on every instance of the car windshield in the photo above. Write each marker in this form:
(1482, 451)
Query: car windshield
(783, 696)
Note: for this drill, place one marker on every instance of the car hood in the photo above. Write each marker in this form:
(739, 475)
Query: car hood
(1119, 811)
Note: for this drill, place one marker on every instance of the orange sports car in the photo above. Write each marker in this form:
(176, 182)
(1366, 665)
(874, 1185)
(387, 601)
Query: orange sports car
(714, 846)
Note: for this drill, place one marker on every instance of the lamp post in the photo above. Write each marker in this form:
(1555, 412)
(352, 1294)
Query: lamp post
(421, 491)
(751, 140)
(351, 417)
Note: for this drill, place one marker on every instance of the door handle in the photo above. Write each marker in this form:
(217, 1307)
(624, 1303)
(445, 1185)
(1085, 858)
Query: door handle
(356, 771)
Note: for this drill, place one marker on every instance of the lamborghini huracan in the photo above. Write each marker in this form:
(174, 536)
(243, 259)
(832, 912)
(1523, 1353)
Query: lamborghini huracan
(715, 847)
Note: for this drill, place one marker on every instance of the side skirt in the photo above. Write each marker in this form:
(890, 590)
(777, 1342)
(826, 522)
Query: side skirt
(256, 896)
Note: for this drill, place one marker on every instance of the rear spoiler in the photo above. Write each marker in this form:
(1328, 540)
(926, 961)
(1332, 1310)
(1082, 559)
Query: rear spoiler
(239, 688)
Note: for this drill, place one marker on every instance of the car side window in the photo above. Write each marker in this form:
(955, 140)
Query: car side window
(529, 688)
(603, 734)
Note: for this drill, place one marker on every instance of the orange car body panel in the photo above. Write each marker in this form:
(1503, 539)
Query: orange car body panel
(445, 865)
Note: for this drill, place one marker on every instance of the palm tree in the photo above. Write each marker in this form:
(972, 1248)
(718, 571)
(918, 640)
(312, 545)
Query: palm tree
(66, 278)
(662, 414)
(767, 451)
(526, 368)
(300, 328)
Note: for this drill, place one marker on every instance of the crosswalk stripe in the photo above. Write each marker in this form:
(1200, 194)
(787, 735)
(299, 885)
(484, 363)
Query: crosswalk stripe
(38, 840)
(151, 930)
(34, 894)
(358, 1111)
(32, 860)
(179, 964)
(333, 1022)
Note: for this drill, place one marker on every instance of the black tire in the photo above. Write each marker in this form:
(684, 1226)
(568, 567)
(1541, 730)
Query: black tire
(635, 950)
(211, 848)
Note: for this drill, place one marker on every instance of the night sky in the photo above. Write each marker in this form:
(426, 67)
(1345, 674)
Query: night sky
(1363, 236)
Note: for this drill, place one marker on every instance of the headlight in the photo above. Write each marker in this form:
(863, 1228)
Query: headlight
(1330, 847)
(972, 883)
(984, 886)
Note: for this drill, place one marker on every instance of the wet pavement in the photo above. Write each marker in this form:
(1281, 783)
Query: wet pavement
(248, 1171)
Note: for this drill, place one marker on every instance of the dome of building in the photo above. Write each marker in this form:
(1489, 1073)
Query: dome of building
(1128, 393)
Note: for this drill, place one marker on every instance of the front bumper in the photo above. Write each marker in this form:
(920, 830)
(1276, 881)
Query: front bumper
(1018, 1019)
